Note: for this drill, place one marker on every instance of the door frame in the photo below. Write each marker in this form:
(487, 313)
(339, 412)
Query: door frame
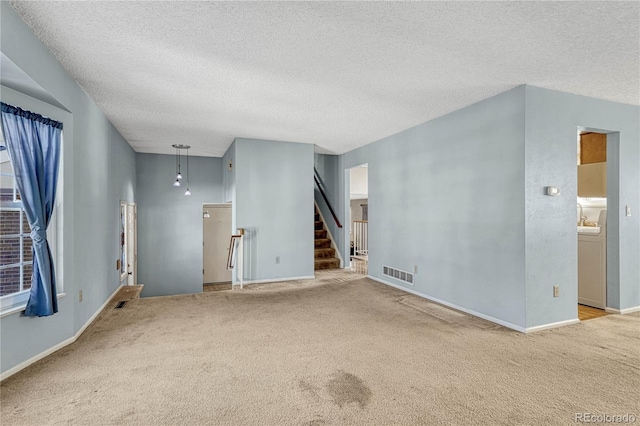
(612, 282)
(347, 207)
(129, 275)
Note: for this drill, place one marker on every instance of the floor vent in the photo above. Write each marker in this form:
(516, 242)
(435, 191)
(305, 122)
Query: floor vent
(398, 274)
(121, 304)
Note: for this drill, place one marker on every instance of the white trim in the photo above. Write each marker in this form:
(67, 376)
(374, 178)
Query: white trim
(453, 306)
(13, 301)
(122, 215)
(333, 242)
(12, 310)
(10, 372)
(277, 280)
(480, 315)
(552, 325)
(623, 311)
(20, 307)
(95, 315)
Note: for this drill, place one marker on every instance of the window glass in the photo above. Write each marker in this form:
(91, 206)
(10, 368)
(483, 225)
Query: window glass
(16, 257)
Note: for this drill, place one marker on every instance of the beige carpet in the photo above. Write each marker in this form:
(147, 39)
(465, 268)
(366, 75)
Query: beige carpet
(340, 349)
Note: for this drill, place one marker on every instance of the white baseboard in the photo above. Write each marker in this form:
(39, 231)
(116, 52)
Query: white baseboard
(95, 315)
(551, 325)
(623, 311)
(274, 280)
(10, 372)
(453, 306)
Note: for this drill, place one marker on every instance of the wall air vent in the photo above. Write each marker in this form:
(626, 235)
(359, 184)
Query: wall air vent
(405, 276)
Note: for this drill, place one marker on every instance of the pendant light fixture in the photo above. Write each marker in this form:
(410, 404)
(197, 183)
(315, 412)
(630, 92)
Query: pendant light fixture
(178, 175)
(179, 149)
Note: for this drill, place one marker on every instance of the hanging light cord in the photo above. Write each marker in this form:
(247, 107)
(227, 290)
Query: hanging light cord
(188, 191)
(179, 150)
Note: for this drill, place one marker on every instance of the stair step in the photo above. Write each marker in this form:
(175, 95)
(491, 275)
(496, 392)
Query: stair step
(326, 263)
(324, 253)
(316, 217)
(322, 243)
(318, 226)
(320, 234)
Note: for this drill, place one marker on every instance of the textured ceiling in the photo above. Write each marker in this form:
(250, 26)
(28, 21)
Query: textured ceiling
(338, 75)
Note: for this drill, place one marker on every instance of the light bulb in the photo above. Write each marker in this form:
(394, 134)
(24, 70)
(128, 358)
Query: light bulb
(179, 176)
(176, 183)
(187, 192)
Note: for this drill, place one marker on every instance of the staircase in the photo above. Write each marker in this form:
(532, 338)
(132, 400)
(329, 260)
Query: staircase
(325, 255)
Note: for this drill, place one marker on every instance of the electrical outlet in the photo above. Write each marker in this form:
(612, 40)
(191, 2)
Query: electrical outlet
(80, 296)
(628, 210)
(277, 260)
(556, 291)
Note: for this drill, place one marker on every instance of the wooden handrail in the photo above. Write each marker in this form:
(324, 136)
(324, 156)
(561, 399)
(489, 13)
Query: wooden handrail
(326, 200)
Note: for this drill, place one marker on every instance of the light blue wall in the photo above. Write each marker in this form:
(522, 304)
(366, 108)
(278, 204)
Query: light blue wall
(99, 171)
(462, 198)
(229, 187)
(15, 348)
(274, 203)
(552, 119)
(229, 173)
(170, 223)
(104, 175)
(447, 196)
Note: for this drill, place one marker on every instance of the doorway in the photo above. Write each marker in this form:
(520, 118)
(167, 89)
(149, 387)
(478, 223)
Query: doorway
(593, 187)
(128, 262)
(358, 218)
(216, 227)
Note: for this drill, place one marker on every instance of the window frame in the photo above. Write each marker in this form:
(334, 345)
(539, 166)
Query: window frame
(16, 302)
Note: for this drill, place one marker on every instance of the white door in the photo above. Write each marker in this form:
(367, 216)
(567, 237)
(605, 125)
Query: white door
(216, 228)
(131, 244)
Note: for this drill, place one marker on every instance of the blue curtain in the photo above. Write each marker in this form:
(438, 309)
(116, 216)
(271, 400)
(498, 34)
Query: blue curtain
(33, 143)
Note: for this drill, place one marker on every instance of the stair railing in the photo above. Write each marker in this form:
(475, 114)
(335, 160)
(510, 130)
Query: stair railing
(235, 257)
(316, 178)
(360, 237)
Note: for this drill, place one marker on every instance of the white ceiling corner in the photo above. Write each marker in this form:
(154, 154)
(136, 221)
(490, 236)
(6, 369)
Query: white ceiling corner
(338, 75)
